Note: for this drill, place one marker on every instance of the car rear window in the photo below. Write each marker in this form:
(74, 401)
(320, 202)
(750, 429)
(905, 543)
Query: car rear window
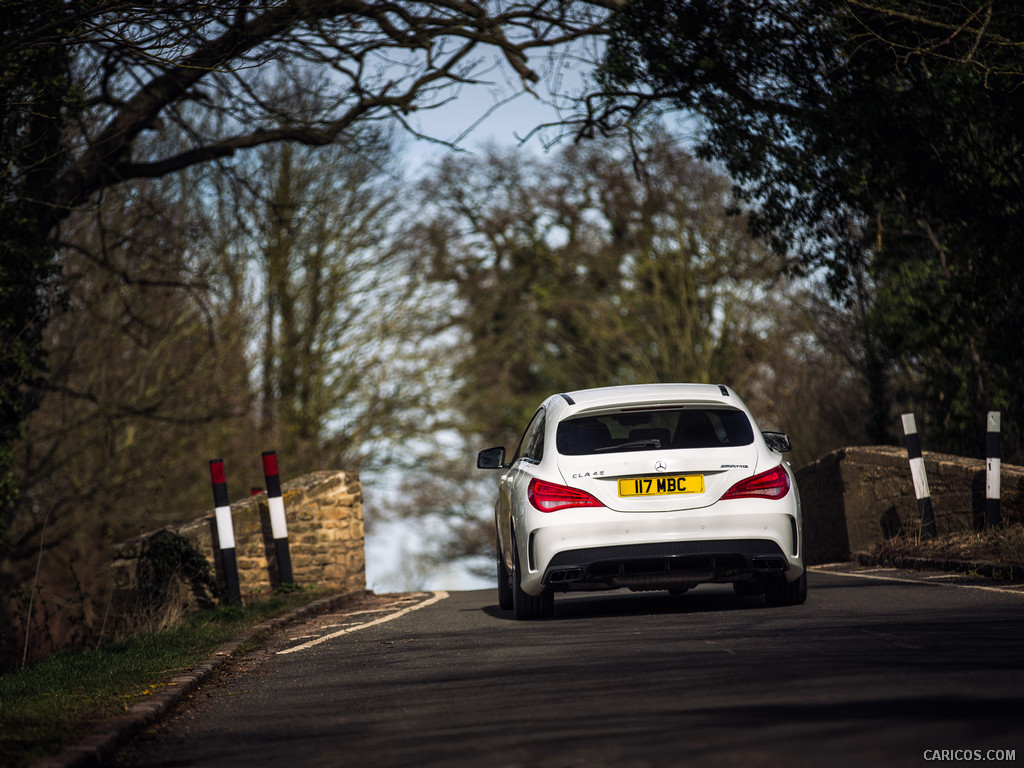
(654, 429)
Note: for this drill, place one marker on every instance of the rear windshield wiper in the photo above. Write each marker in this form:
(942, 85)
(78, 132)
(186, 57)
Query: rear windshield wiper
(650, 442)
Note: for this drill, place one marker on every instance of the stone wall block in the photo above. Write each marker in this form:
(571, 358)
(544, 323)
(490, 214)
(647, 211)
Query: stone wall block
(325, 527)
(855, 498)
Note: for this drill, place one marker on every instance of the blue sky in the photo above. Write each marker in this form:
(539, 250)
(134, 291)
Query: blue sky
(514, 113)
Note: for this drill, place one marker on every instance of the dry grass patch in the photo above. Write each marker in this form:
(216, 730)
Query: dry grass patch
(1000, 545)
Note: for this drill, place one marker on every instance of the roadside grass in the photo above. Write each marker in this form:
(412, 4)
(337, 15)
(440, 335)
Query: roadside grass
(1004, 544)
(61, 700)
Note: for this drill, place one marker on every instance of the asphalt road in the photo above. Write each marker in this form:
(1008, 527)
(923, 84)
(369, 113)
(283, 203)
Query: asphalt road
(871, 671)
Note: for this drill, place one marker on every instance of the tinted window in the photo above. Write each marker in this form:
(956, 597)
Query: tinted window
(535, 443)
(653, 430)
(531, 446)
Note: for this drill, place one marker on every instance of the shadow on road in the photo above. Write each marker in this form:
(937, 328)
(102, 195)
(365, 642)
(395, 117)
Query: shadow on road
(579, 605)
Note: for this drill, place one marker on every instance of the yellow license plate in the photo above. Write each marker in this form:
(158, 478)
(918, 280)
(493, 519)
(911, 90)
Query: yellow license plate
(661, 485)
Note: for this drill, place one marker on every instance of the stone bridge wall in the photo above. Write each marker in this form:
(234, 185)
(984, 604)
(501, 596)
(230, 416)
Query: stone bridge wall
(855, 498)
(325, 534)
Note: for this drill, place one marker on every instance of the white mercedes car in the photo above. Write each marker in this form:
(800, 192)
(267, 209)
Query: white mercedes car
(647, 487)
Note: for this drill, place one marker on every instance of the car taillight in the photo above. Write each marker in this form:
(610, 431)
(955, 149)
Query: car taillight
(547, 497)
(773, 484)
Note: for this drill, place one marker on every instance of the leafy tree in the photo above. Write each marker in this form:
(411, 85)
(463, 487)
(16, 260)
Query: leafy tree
(520, 295)
(604, 265)
(36, 94)
(577, 273)
(261, 303)
(147, 372)
(877, 139)
(341, 377)
(92, 92)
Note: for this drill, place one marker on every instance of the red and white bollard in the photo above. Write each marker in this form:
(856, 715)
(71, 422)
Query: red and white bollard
(278, 524)
(225, 530)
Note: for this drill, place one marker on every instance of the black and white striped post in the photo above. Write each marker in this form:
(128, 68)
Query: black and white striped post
(278, 524)
(225, 531)
(993, 465)
(920, 477)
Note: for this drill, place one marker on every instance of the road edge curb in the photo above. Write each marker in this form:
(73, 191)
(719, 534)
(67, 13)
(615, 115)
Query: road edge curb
(996, 571)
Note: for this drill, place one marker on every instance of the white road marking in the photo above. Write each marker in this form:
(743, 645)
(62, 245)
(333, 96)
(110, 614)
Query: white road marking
(861, 575)
(434, 598)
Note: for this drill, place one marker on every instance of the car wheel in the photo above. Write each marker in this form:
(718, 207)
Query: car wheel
(778, 591)
(527, 606)
(504, 585)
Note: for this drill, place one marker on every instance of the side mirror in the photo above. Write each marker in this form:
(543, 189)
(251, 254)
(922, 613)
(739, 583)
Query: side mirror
(777, 441)
(491, 458)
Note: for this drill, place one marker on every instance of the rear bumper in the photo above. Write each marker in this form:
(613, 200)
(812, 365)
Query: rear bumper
(601, 549)
(667, 565)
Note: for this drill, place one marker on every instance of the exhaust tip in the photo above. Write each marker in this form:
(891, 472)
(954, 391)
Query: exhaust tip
(761, 564)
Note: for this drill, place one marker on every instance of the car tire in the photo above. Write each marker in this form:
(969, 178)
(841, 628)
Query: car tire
(526, 606)
(504, 585)
(778, 591)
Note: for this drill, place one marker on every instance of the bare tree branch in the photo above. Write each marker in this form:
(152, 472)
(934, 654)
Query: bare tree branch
(384, 60)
